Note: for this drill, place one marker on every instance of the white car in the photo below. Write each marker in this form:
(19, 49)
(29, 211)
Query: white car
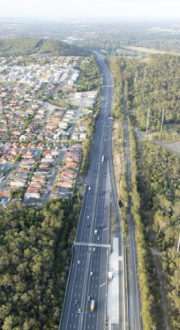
(79, 310)
(78, 262)
(98, 238)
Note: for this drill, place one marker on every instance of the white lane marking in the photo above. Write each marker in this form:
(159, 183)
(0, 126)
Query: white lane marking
(102, 285)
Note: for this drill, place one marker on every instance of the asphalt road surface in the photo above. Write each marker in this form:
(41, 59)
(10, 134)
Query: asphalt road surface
(91, 250)
(135, 319)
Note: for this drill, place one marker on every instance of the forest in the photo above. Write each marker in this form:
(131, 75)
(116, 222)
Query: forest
(157, 177)
(159, 183)
(91, 77)
(141, 206)
(21, 46)
(35, 254)
(154, 83)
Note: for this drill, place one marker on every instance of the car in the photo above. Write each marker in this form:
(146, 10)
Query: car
(88, 225)
(79, 310)
(91, 273)
(88, 217)
(94, 249)
(98, 238)
(97, 218)
(75, 303)
(89, 207)
(76, 277)
(78, 262)
(89, 298)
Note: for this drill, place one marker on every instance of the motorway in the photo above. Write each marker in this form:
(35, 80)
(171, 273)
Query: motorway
(135, 320)
(91, 251)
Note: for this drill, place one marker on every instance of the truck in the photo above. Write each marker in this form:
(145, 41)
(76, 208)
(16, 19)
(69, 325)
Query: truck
(102, 158)
(92, 305)
(110, 275)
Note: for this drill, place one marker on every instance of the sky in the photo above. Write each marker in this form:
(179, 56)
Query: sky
(126, 9)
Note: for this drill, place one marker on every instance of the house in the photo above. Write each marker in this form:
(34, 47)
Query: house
(16, 133)
(14, 151)
(32, 190)
(75, 137)
(47, 160)
(32, 195)
(22, 145)
(4, 159)
(17, 184)
(14, 145)
(31, 161)
(6, 152)
(22, 138)
(12, 158)
(82, 136)
(5, 193)
(76, 146)
(31, 145)
(7, 145)
(65, 184)
(65, 179)
(36, 185)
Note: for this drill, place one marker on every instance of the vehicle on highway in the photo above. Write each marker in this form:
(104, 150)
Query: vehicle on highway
(98, 238)
(94, 249)
(95, 232)
(89, 188)
(89, 298)
(102, 158)
(79, 310)
(78, 262)
(91, 273)
(92, 305)
(75, 303)
(88, 217)
(76, 277)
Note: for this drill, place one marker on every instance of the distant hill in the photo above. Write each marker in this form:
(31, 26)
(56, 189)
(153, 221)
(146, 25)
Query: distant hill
(26, 46)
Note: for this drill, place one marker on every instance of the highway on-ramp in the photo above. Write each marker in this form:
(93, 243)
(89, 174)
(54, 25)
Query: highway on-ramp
(91, 250)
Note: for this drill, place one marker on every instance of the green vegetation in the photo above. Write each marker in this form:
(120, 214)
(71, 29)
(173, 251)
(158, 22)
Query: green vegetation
(87, 144)
(35, 256)
(91, 77)
(157, 86)
(117, 67)
(149, 288)
(156, 180)
(26, 46)
(159, 187)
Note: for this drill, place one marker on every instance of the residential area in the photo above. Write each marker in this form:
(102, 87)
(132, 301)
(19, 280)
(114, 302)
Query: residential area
(43, 123)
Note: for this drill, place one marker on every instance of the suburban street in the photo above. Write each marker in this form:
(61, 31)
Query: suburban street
(91, 250)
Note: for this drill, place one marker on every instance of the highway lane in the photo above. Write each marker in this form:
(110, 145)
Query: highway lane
(134, 296)
(94, 214)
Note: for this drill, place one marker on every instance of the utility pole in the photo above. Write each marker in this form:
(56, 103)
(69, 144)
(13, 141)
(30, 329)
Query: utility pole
(136, 76)
(147, 121)
(145, 75)
(162, 120)
(178, 244)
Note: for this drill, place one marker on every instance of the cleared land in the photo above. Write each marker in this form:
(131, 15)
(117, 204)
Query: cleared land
(148, 50)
